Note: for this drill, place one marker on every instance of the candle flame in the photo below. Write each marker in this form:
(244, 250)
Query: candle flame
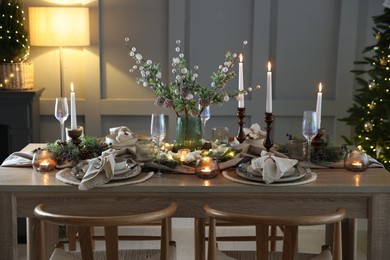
(269, 66)
(241, 57)
(71, 87)
(320, 87)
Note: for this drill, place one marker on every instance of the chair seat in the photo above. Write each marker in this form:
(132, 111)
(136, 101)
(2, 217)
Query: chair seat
(140, 254)
(251, 255)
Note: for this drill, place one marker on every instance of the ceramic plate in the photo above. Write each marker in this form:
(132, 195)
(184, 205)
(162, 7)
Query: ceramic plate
(295, 176)
(127, 174)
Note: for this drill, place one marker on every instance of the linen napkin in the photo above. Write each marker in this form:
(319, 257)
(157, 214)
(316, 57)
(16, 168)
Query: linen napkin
(18, 159)
(100, 171)
(254, 132)
(272, 167)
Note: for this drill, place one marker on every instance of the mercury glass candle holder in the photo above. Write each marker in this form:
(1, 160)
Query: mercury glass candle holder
(356, 161)
(206, 168)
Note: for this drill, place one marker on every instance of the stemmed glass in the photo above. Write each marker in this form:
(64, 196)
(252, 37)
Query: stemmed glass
(61, 113)
(309, 130)
(157, 132)
(204, 116)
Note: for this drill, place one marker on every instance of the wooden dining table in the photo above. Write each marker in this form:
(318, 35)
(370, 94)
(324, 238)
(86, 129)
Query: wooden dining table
(364, 195)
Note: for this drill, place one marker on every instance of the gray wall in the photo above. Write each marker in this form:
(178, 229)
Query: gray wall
(307, 42)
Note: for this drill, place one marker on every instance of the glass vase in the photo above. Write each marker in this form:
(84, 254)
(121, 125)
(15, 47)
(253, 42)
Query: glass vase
(189, 133)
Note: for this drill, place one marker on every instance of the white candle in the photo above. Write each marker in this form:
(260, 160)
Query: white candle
(268, 100)
(241, 83)
(319, 105)
(73, 119)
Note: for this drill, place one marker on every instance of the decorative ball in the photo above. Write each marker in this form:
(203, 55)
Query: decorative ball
(383, 61)
(371, 85)
(367, 126)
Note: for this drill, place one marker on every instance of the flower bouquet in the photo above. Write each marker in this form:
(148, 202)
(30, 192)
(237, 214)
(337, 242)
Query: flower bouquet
(186, 95)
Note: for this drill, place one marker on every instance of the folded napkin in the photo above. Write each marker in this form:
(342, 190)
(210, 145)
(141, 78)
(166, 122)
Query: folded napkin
(271, 166)
(121, 137)
(254, 132)
(101, 169)
(19, 159)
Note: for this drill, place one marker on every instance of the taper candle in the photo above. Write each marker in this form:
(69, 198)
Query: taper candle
(319, 105)
(268, 100)
(73, 119)
(241, 102)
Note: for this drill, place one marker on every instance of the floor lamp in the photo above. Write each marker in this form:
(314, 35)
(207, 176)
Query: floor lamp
(61, 27)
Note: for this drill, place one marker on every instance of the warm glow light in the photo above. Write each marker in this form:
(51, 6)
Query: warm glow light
(320, 87)
(357, 179)
(71, 87)
(59, 26)
(269, 66)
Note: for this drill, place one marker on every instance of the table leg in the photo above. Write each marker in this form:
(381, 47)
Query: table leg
(8, 227)
(200, 236)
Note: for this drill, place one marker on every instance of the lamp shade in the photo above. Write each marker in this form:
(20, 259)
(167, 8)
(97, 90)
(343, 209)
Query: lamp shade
(59, 26)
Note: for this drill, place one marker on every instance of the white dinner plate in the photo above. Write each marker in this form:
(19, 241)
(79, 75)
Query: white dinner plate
(296, 176)
(127, 174)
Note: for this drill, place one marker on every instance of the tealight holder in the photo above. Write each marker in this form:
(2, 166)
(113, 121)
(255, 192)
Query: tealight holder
(75, 135)
(206, 168)
(44, 160)
(356, 161)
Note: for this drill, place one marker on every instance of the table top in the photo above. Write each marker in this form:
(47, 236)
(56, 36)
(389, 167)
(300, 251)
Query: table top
(373, 180)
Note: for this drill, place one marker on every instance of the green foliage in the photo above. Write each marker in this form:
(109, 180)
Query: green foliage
(370, 114)
(13, 35)
(67, 151)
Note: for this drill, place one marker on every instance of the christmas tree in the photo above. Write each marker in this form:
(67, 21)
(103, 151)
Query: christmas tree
(370, 114)
(13, 36)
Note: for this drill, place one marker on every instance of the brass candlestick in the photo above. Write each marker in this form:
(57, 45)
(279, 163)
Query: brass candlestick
(269, 118)
(241, 115)
(75, 134)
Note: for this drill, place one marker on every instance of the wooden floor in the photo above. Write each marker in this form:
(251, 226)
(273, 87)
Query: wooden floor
(310, 240)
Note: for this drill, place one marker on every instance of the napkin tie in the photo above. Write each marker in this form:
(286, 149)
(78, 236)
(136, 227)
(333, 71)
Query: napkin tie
(272, 167)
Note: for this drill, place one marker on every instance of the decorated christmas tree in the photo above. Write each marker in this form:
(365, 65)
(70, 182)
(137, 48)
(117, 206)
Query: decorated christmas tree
(13, 36)
(370, 114)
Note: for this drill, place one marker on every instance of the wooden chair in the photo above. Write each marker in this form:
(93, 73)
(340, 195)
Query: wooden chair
(86, 216)
(263, 223)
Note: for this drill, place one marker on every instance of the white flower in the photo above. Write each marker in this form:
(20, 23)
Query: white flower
(226, 98)
(127, 39)
(175, 61)
(178, 78)
(145, 84)
(177, 41)
(131, 70)
(149, 62)
(133, 49)
(173, 71)
(258, 87)
(135, 67)
(177, 49)
(147, 73)
(250, 89)
(138, 56)
(245, 42)
(220, 67)
(158, 75)
(181, 55)
(141, 68)
(184, 70)
(225, 69)
(234, 55)
(212, 84)
(132, 54)
(189, 96)
(196, 67)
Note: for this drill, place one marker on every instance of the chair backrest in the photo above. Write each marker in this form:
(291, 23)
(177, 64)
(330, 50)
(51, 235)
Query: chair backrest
(86, 216)
(263, 223)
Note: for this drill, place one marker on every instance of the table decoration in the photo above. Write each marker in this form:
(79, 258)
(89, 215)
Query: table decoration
(120, 137)
(186, 95)
(356, 160)
(206, 168)
(44, 160)
(146, 150)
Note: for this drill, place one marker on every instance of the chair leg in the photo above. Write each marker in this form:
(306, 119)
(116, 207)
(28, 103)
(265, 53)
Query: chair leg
(273, 235)
(200, 238)
(72, 238)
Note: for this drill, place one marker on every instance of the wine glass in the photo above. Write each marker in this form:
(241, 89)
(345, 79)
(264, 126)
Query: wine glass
(157, 132)
(204, 116)
(61, 113)
(309, 130)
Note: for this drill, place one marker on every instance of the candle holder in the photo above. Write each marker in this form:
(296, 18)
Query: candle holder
(75, 134)
(206, 168)
(356, 161)
(241, 115)
(44, 160)
(318, 143)
(269, 118)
